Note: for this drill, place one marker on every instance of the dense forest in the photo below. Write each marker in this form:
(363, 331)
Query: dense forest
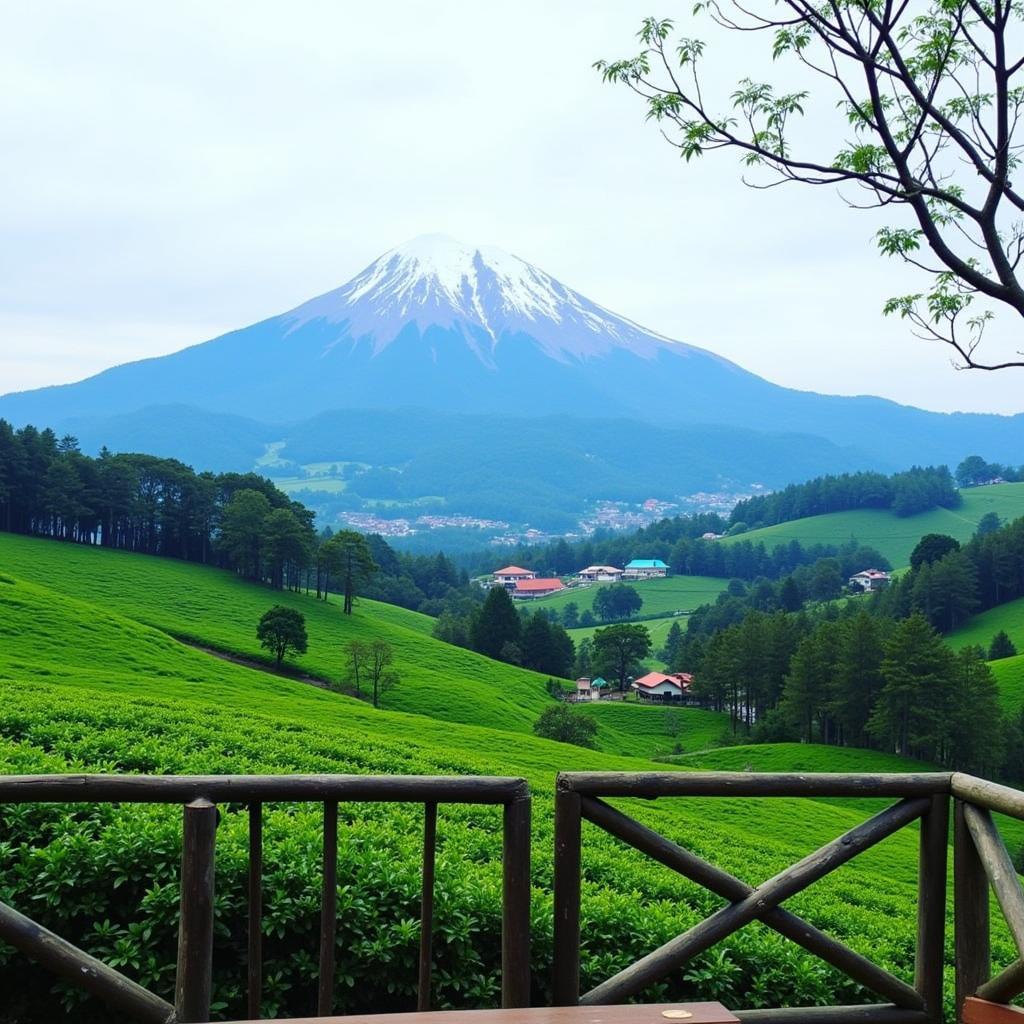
(236, 521)
(906, 494)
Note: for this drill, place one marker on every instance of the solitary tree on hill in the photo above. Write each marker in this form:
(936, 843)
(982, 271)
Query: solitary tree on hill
(931, 547)
(282, 631)
(926, 100)
(616, 602)
(1001, 647)
(619, 650)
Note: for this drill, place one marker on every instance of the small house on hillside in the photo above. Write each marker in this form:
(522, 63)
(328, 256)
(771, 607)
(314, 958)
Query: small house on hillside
(659, 688)
(584, 691)
(600, 573)
(870, 579)
(511, 575)
(534, 587)
(645, 569)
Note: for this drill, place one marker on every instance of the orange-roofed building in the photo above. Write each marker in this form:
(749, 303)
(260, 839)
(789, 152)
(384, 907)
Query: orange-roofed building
(511, 575)
(662, 688)
(533, 588)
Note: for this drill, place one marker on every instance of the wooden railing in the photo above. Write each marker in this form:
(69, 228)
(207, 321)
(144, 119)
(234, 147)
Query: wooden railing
(199, 796)
(980, 860)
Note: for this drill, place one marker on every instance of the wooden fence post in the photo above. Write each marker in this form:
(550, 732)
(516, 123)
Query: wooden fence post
(566, 981)
(971, 912)
(193, 983)
(931, 905)
(515, 921)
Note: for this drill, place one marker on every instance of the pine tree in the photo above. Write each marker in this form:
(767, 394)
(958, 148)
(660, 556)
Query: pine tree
(1001, 647)
(496, 624)
(911, 713)
(858, 677)
(975, 732)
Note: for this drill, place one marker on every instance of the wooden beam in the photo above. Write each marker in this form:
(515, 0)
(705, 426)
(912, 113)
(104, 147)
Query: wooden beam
(929, 961)
(1006, 985)
(566, 967)
(58, 956)
(971, 912)
(427, 906)
(733, 889)
(328, 911)
(999, 869)
(193, 985)
(763, 784)
(988, 794)
(180, 789)
(635, 978)
(880, 1013)
(515, 904)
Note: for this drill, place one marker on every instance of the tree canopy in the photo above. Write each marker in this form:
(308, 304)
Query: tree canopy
(282, 631)
(917, 115)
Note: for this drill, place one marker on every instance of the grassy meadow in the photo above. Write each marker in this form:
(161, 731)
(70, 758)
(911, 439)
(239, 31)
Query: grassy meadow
(663, 596)
(891, 535)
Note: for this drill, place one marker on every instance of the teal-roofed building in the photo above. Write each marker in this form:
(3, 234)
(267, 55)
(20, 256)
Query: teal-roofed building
(645, 569)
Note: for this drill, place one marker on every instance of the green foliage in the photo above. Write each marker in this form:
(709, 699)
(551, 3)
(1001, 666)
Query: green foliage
(282, 630)
(560, 722)
(619, 650)
(1001, 647)
(616, 602)
(931, 547)
(496, 624)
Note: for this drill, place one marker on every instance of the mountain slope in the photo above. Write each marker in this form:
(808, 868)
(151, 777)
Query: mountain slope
(439, 325)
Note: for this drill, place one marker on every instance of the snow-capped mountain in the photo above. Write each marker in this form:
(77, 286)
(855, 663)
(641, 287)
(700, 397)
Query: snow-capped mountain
(491, 295)
(438, 325)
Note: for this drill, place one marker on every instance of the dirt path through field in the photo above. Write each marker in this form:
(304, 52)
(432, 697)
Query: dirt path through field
(260, 666)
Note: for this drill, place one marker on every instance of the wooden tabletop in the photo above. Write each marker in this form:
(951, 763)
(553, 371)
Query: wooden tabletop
(656, 1013)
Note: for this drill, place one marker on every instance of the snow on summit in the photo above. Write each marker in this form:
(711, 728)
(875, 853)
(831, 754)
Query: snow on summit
(486, 294)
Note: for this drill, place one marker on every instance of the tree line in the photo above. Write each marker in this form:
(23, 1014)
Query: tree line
(915, 490)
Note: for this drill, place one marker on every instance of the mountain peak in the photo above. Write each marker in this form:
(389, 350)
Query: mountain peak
(489, 295)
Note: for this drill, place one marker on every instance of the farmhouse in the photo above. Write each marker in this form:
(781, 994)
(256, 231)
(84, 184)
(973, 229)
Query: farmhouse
(870, 579)
(511, 575)
(534, 587)
(645, 569)
(599, 573)
(659, 688)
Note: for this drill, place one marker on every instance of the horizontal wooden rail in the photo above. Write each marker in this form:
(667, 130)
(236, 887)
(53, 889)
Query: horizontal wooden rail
(182, 789)
(650, 785)
(983, 793)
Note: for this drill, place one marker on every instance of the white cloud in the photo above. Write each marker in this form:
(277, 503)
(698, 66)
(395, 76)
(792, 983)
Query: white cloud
(197, 167)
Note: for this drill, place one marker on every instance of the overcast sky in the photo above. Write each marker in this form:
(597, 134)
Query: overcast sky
(172, 172)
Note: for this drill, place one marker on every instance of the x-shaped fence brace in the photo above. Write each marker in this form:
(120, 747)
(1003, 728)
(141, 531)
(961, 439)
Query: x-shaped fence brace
(748, 904)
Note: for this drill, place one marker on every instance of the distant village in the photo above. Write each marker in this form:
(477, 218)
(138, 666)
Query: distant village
(525, 585)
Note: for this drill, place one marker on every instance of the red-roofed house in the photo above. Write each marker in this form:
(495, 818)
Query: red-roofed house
(511, 575)
(537, 587)
(660, 688)
(870, 579)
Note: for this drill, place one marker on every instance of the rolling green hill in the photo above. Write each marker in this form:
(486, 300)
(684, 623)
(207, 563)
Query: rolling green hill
(1009, 673)
(91, 680)
(980, 629)
(888, 533)
(217, 609)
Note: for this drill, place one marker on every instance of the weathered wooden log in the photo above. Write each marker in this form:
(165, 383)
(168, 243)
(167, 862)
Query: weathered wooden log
(999, 869)
(995, 797)
(767, 784)
(870, 1014)
(254, 978)
(566, 969)
(788, 883)
(970, 910)
(931, 905)
(1006, 985)
(515, 910)
(328, 911)
(193, 984)
(427, 906)
(82, 970)
(733, 889)
(222, 789)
